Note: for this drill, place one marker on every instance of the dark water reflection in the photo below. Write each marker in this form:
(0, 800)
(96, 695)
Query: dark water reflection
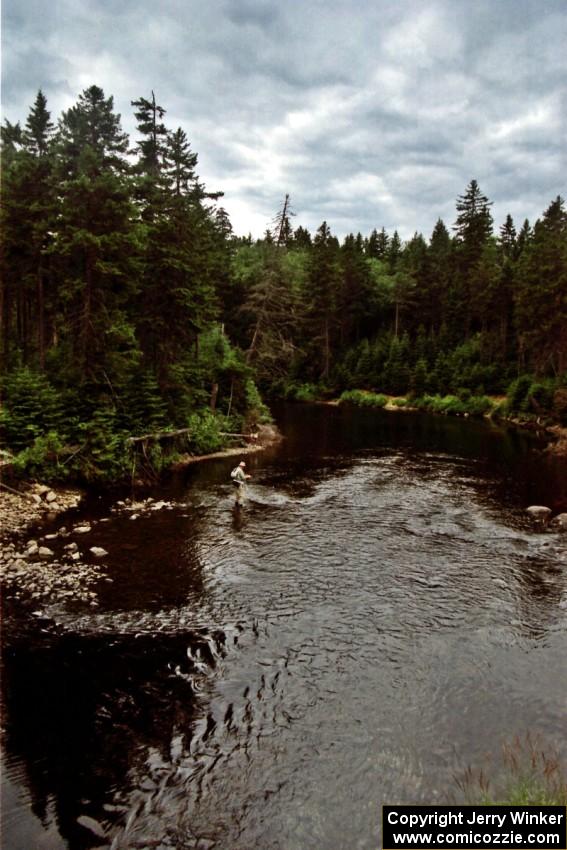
(379, 617)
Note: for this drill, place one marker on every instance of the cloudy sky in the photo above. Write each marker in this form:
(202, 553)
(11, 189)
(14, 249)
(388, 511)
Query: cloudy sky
(369, 114)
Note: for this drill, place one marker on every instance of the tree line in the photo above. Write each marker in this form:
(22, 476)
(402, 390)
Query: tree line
(127, 303)
(469, 310)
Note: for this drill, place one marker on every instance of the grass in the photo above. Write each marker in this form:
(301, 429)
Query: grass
(450, 405)
(362, 398)
(524, 775)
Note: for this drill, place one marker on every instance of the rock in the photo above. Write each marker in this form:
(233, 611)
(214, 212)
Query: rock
(158, 506)
(37, 499)
(539, 513)
(75, 556)
(71, 547)
(92, 825)
(98, 551)
(134, 516)
(51, 537)
(83, 529)
(44, 552)
(50, 496)
(32, 549)
(560, 522)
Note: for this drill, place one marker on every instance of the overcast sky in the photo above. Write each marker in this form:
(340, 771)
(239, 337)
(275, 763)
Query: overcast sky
(369, 114)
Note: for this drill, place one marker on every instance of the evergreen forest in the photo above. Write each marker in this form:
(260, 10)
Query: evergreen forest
(129, 306)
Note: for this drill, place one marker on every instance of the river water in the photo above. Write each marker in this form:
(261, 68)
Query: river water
(379, 618)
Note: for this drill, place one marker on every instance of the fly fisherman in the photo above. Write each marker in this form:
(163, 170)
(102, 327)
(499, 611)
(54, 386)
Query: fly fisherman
(239, 478)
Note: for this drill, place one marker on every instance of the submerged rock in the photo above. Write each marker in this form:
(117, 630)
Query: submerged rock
(98, 551)
(82, 529)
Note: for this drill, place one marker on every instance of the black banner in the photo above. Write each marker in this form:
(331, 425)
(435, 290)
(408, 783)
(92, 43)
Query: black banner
(478, 827)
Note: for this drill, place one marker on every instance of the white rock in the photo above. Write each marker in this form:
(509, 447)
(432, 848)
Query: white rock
(93, 825)
(75, 555)
(71, 547)
(560, 522)
(83, 529)
(50, 496)
(539, 513)
(37, 499)
(32, 549)
(51, 537)
(98, 551)
(134, 516)
(44, 552)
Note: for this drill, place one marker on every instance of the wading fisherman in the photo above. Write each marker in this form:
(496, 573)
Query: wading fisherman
(239, 478)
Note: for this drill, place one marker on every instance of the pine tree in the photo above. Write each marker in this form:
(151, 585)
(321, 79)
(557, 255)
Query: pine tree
(323, 288)
(541, 300)
(95, 248)
(27, 219)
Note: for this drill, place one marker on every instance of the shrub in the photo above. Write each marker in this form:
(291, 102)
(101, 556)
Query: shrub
(31, 408)
(205, 428)
(257, 412)
(303, 392)
(540, 396)
(517, 392)
(363, 399)
(42, 459)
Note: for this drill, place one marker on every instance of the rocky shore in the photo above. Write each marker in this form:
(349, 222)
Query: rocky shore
(28, 567)
(33, 503)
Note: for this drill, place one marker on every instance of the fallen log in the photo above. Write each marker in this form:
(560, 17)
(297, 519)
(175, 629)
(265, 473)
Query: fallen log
(17, 492)
(162, 435)
(158, 435)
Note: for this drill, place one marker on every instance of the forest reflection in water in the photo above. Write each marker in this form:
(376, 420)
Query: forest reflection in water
(380, 616)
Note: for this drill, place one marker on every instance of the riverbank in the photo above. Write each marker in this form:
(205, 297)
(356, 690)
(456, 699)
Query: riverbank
(29, 568)
(266, 436)
(559, 446)
(492, 408)
(31, 504)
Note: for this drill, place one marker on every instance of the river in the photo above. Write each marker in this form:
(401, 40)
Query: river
(379, 618)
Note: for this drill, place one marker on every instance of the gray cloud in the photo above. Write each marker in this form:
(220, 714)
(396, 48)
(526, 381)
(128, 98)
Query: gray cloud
(370, 115)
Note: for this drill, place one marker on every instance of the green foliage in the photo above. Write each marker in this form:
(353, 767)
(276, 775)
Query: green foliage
(42, 459)
(525, 774)
(419, 378)
(31, 408)
(257, 411)
(103, 455)
(517, 393)
(205, 436)
(303, 392)
(363, 399)
(452, 405)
